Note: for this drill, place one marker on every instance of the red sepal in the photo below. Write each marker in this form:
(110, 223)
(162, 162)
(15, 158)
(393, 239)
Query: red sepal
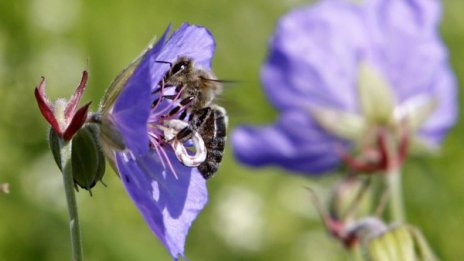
(75, 99)
(77, 121)
(45, 107)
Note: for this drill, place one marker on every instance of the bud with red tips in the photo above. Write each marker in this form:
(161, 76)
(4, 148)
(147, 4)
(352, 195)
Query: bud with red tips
(64, 117)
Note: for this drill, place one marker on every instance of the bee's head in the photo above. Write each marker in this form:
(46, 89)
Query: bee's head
(182, 65)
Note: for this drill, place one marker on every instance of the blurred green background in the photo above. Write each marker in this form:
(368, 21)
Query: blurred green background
(252, 214)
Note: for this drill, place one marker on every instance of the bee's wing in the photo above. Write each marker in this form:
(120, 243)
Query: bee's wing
(226, 82)
(234, 106)
(168, 204)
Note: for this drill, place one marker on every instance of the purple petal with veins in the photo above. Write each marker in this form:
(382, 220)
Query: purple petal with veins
(314, 58)
(168, 195)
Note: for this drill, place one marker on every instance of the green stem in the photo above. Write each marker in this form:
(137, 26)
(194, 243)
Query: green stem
(393, 180)
(356, 253)
(66, 166)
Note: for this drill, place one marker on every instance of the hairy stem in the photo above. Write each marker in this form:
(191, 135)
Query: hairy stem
(66, 166)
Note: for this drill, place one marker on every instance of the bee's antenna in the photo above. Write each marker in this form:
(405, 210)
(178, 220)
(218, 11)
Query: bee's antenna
(165, 62)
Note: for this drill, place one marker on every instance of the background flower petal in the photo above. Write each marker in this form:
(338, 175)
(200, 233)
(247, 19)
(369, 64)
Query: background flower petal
(167, 204)
(443, 86)
(314, 55)
(295, 142)
(408, 49)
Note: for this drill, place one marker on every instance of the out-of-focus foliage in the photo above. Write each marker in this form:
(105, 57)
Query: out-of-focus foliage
(252, 214)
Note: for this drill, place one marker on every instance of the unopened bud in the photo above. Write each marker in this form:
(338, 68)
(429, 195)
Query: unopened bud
(87, 158)
(88, 161)
(401, 242)
(54, 143)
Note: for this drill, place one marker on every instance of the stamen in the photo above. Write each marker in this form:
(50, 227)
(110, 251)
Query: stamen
(169, 163)
(157, 149)
(164, 110)
(164, 124)
(161, 89)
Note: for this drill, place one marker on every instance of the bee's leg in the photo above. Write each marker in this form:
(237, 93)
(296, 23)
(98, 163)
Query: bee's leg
(185, 157)
(183, 115)
(185, 134)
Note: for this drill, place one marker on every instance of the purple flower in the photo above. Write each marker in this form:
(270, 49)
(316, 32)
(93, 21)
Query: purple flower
(168, 194)
(339, 71)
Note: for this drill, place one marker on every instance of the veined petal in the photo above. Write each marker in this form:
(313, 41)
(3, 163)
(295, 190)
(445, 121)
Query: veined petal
(132, 107)
(443, 87)
(314, 55)
(295, 142)
(167, 204)
(314, 60)
(406, 46)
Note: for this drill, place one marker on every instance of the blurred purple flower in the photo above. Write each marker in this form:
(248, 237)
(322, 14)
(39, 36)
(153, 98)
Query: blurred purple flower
(323, 71)
(168, 194)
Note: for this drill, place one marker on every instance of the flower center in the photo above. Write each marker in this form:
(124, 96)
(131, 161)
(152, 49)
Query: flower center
(169, 116)
(384, 128)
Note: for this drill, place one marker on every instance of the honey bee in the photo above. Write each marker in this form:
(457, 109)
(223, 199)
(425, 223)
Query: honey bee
(198, 89)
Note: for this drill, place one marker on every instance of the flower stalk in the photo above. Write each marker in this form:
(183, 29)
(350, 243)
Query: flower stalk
(395, 156)
(66, 167)
(396, 206)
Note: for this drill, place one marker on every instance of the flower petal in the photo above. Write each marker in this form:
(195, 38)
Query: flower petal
(167, 204)
(295, 142)
(314, 56)
(412, 56)
(444, 117)
(132, 107)
(406, 47)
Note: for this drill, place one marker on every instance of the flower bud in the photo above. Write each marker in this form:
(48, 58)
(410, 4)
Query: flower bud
(88, 161)
(401, 242)
(53, 142)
